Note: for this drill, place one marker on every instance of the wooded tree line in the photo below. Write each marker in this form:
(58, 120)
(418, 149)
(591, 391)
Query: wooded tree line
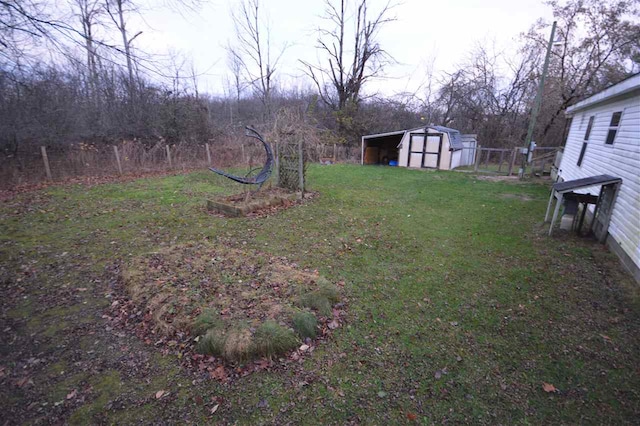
(73, 76)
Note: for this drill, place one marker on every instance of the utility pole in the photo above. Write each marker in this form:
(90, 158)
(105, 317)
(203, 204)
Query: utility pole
(538, 102)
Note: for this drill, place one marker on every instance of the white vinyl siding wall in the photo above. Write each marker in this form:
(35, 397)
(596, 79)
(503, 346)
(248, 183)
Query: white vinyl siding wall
(621, 159)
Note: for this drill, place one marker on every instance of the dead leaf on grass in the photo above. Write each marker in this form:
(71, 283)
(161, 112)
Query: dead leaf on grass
(412, 417)
(333, 325)
(160, 394)
(215, 408)
(23, 382)
(548, 387)
(72, 394)
(219, 373)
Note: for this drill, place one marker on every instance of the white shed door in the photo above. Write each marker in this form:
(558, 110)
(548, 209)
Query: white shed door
(416, 148)
(424, 154)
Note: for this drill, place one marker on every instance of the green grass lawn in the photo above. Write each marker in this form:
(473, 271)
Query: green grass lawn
(459, 307)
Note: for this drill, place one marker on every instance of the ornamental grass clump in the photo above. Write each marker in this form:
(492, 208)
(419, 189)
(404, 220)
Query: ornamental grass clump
(305, 324)
(273, 339)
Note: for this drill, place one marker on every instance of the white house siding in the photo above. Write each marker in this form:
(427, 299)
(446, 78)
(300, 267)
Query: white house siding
(622, 159)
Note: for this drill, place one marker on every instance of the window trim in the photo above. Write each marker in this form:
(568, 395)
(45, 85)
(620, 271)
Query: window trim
(582, 151)
(587, 133)
(613, 128)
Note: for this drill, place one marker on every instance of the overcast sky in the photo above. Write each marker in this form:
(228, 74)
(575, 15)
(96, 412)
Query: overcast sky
(444, 31)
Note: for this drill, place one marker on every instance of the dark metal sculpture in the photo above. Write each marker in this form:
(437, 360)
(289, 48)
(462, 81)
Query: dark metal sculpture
(264, 173)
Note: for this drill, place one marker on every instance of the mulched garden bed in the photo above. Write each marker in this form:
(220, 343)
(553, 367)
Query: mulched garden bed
(257, 203)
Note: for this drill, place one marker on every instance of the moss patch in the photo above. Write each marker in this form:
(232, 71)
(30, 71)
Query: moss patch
(106, 386)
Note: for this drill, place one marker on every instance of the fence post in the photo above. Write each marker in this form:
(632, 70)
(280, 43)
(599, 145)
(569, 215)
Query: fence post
(301, 166)
(277, 160)
(513, 161)
(45, 158)
(115, 149)
(206, 146)
(169, 156)
(478, 157)
(335, 149)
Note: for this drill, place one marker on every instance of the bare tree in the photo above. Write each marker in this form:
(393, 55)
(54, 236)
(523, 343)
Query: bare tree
(598, 44)
(117, 10)
(253, 51)
(351, 58)
(88, 12)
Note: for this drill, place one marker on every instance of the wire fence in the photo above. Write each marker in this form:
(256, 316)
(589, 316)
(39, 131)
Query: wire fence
(36, 164)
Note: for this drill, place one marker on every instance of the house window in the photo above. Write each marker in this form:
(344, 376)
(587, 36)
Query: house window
(613, 127)
(586, 138)
(589, 126)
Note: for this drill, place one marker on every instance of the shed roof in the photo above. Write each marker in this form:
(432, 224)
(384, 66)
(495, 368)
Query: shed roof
(381, 135)
(455, 138)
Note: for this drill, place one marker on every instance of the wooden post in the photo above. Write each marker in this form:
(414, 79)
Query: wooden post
(169, 156)
(555, 212)
(206, 146)
(277, 177)
(546, 215)
(115, 149)
(595, 210)
(243, 157)
(609, 212)
(45, 158)
(301, 165)
(335, 149)
(501, 160)
(478, 157)
(513, 160)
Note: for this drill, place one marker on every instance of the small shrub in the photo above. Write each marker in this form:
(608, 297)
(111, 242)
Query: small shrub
(208, 319)
(328, 290)
(318, 302)
(305, 324)
(273, 339)
(212, 343)
(321, 299)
